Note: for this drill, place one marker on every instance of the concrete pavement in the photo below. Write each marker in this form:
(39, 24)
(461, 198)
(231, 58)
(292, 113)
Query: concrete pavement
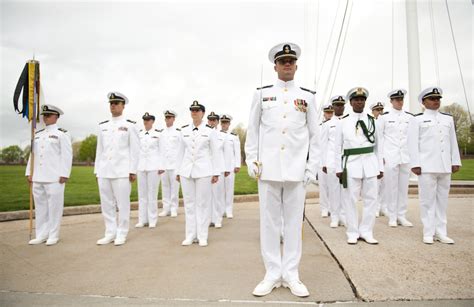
(153, 269)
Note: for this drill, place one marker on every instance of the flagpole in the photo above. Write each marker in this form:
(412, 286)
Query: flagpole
(33, 128)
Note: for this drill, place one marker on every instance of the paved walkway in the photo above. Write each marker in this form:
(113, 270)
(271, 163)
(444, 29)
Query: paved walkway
(153, 269)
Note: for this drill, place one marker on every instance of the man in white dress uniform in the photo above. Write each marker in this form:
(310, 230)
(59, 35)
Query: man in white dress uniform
(362, 165)
(393, 131)
(434, 156)
(52, 167)
(233, 162)
(170, 140)
(281, 151)
(116, 162)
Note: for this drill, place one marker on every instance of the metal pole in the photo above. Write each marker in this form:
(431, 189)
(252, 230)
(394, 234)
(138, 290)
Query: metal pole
(414, 74)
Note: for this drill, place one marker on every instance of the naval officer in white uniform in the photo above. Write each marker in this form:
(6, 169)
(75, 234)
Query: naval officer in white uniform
(116, 168)
(281, 151)
(329, 161)
(434, 156)
(233, 161)
(393, 131)
(51, 170)
(328, 112)
(357, 144)
(218, 194)
(197, 171)
(170, 139)
(150, 167)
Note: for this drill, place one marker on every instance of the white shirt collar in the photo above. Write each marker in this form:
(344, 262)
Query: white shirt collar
(283, 84)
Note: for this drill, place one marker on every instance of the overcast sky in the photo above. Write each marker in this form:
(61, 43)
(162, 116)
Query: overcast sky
(165, 54)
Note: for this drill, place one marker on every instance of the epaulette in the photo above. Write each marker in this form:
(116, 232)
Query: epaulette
(39, 131)
(184, 126)
(105, 121)
(131, 121)
(386, 112)
(62, 130)
(160, 130)
(178, 129)
(305, 89)
(266, 86)
(345, 116)
(409, 113)
(445, 113)
(418, 114)
(233, 133)
(209, 126)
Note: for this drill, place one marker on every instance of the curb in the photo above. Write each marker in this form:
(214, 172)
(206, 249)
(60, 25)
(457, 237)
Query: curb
(91, 209)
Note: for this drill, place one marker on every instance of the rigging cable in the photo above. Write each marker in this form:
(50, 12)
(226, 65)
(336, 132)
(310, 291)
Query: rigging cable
(459, 64)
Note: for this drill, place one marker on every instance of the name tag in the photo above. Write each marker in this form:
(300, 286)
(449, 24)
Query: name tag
(427, 121)
(123, 129)
(186, 135)
(391, 121)
(269, 98)
(154, 137)
(53, 137)
(204, 135)
(332, 126)
(104, 129)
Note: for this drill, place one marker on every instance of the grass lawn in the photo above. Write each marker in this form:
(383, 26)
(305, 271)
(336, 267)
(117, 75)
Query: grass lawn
(466, 172)
(81, 189)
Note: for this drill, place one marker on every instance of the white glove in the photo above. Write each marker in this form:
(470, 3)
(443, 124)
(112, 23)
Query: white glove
(253, 170)
(308, 178)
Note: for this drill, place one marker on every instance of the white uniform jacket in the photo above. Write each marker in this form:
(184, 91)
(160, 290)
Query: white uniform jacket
(328, 144)
(283, 132)
(170, 140)
(432, 143)
(117, 148)
(223, 151)
(347, 137)
(233, 157)
(151, 152)
(196, 152)
(393, 131)
(53, 155)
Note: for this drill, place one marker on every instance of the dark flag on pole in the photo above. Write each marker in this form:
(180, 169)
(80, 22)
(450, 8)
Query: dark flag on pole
(29, 83)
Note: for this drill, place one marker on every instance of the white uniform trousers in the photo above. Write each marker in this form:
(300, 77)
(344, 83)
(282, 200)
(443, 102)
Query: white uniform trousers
(277, 200)
(229, 183)
(218, 200)
(433, 193)
(148, 183)
(49, 204)
(323, 190)
(396, 190)
(381, 202)
(170, 191)
(334, 191)
(115, 193)
(197, 194)
(367, 188)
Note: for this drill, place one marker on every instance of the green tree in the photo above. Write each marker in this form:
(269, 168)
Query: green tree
(462, 124)
(12, 154)
(76, 146)
(87, 149)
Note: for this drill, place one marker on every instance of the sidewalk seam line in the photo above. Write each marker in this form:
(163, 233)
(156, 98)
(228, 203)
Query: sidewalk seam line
(346, 274)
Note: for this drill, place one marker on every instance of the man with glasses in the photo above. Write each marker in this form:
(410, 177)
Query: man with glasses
(52, 166)
(281, 152)
(116, 162)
